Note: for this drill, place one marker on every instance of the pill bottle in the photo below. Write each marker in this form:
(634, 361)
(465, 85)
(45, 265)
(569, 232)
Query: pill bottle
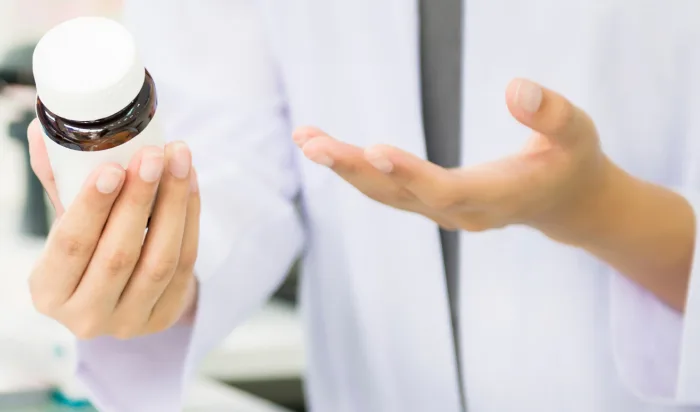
(96, 102)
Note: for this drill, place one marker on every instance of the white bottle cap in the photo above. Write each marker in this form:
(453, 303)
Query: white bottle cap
(87, 69)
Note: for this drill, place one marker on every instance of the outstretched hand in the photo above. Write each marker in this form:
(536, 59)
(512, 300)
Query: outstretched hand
(558, 171)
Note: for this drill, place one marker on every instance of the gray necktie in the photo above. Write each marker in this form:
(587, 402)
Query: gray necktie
(441, 74)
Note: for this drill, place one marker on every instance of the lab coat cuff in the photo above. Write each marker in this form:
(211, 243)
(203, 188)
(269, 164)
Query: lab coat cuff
(142, 374)
(246, 278)
(657, 349)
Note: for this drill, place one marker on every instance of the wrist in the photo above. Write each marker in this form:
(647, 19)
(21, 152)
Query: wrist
(642, 230)
(594, 210)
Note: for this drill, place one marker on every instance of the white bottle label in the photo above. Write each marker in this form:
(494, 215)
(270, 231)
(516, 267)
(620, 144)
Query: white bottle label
(72, 167)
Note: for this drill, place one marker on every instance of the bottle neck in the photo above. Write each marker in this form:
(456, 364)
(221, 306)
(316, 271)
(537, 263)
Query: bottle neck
(104, 133)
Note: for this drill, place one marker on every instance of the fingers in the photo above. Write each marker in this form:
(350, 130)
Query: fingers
(348, 162)
(433, 185)
(305, 133)
(72, 241)
(546, 111)
(98, 274)
(401, 179)
(41, 165)
(176, 296)
(120, 245)
(160, 255)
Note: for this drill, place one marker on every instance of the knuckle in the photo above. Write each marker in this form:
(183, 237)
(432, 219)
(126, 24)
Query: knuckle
(564, 117)
(161, 270)
(119, 261)
(71, 245)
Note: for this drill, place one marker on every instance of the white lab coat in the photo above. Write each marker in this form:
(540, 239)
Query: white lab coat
(544, 327)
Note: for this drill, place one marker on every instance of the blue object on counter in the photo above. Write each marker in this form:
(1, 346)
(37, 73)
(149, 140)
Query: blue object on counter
(59, 397)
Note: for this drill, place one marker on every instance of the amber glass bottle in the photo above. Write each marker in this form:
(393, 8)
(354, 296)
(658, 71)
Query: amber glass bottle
(96, 102)
(102, 134)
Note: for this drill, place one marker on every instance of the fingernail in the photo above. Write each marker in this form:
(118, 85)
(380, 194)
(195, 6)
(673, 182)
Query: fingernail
(151, 165)
(109, 180)
(380, 162)
(528, 96)
(322, 159)
(181, 161)
(194, 184)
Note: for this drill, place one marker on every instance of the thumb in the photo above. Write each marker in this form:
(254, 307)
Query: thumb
(546, 111)
(41, 165)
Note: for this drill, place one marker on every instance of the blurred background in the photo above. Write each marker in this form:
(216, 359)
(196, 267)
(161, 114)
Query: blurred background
(258, 368)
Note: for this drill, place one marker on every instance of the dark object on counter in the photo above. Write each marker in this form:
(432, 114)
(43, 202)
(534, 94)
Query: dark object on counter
(16, 67)
(19, 77)
(16, 70)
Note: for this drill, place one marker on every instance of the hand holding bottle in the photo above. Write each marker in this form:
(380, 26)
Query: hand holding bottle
(98, 275)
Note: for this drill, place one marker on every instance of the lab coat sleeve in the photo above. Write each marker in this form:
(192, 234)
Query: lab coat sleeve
(657, 349)
(218, 91)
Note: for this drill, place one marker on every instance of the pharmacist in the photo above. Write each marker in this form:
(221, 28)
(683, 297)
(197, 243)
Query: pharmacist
(557, 145)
